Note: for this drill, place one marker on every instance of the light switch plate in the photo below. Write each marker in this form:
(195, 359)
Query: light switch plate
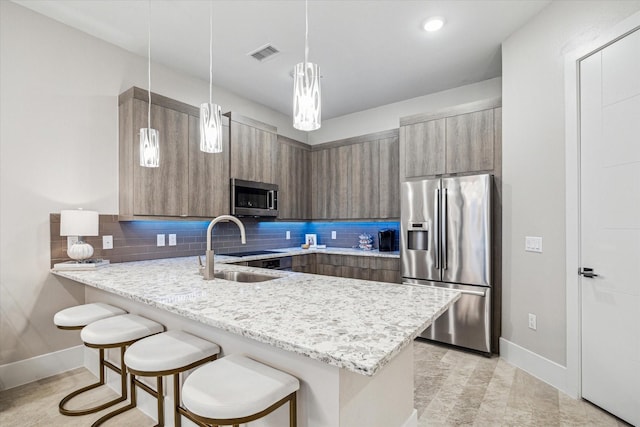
(288, 235)
(333, 235)
(172, 240)
(533, 321)
(107, 242)
(160, 239)
(533, 244)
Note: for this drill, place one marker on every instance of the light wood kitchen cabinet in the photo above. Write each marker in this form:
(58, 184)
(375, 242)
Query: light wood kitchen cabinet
(389, 178)
(293, 172)
(470, 141)
(356, 178)
(456, 140)
(381, 269)
(254, 149)
(424, 148)
(208, 175)
(304, 263)
(187, 183)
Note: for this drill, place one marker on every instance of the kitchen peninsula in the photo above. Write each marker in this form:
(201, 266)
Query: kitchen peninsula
(348, 341)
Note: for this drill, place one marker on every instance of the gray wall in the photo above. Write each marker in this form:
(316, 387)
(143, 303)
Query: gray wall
(534, 166)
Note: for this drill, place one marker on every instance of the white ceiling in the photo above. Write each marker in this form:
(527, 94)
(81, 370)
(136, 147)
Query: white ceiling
(370, 53)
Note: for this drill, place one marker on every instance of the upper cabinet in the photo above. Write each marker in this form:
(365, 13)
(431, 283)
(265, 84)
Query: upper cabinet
(356, 178)
(457, 140)
(254, 149)
(188, 183)
(292, 165)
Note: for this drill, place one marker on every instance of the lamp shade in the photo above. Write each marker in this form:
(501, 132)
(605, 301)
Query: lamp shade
(78, 222)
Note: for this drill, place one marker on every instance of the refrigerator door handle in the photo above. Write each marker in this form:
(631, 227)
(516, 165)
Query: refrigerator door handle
(436, 227)
(444, 228)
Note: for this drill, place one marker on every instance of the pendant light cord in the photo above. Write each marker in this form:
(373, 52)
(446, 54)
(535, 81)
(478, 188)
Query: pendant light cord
(149, 63)
(306, 33)
(210, 49)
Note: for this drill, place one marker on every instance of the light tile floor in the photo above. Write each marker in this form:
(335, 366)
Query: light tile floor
(456, 388)
(452, 388)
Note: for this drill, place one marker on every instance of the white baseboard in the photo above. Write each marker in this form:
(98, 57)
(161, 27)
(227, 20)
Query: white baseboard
(544, 369)
(39, 367)
(412, 421)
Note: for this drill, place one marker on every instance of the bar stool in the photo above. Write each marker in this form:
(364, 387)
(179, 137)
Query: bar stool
(112, 332)
(235, 390)
(77, 317)
(169, 353)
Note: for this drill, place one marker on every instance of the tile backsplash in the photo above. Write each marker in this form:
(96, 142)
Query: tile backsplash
(136, 240)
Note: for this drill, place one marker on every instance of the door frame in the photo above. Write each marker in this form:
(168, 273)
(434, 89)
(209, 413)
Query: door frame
(573, 381)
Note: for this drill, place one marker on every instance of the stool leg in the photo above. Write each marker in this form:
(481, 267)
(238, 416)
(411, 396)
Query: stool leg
(293, 412)
(177, 420)
(131, 405)
(160, 396)
(101, 381)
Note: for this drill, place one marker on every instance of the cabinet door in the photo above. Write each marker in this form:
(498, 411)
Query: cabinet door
(363, 191)
(292, 176)
(208, 175)
(319, 167)
(162, 190)
(424, 148)
(470, 139)
(338, 182)
(253, 153)
(389, 179)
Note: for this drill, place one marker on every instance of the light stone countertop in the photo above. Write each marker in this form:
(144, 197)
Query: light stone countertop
(353, 324)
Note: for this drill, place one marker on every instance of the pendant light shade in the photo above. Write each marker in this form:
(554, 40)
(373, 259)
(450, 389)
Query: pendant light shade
(210, 128)
(210, 113)
(306, 96)
(307, 100)
(149, 138)
(149, 148)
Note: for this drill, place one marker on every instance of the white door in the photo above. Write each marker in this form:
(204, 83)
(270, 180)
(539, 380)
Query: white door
(610, 227)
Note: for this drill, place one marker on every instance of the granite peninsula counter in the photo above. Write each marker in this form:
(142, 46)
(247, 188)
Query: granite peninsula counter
(346, 338)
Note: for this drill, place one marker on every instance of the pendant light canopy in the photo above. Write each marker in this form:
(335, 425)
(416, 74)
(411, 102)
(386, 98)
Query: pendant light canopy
(149, 138)
(306, 88)
(210, 113)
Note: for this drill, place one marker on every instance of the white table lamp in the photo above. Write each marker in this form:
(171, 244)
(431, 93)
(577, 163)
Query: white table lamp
(79, 223)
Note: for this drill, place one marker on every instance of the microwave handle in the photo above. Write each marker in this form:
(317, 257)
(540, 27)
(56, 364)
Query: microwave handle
(271, 199)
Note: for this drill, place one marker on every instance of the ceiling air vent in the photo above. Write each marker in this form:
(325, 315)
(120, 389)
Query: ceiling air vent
(264, 52)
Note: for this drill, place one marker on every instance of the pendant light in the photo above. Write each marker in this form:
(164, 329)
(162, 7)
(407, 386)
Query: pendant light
(149, 138)
(210, 113)
(306, 88)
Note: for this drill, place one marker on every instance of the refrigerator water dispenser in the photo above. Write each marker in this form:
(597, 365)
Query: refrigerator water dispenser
(418, 236)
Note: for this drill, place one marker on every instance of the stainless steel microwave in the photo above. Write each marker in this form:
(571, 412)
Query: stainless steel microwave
(256, 199)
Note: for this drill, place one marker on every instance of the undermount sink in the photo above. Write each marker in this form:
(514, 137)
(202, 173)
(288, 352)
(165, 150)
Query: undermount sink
(240, 276)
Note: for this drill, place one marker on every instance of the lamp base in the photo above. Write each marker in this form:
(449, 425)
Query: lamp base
(90, 264)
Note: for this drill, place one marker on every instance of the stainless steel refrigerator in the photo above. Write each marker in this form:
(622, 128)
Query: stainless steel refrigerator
(446, 242)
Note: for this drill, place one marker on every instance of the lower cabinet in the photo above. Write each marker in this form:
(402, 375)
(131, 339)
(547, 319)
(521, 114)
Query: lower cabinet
(304, 264)
(380, 269)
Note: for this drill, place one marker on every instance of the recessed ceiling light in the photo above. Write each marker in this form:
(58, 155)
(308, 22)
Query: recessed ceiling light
(434, 24)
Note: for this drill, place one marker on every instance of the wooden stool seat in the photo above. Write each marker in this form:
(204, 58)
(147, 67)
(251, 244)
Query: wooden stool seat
(168, 353)
(236, 390)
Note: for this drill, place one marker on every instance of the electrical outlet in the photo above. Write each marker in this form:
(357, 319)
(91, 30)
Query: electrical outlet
(71, 240)
(172, 239)
(160, 239)
(333, 235)
(533, 244)
(288, 235)
(107, 242)
(532, 321)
